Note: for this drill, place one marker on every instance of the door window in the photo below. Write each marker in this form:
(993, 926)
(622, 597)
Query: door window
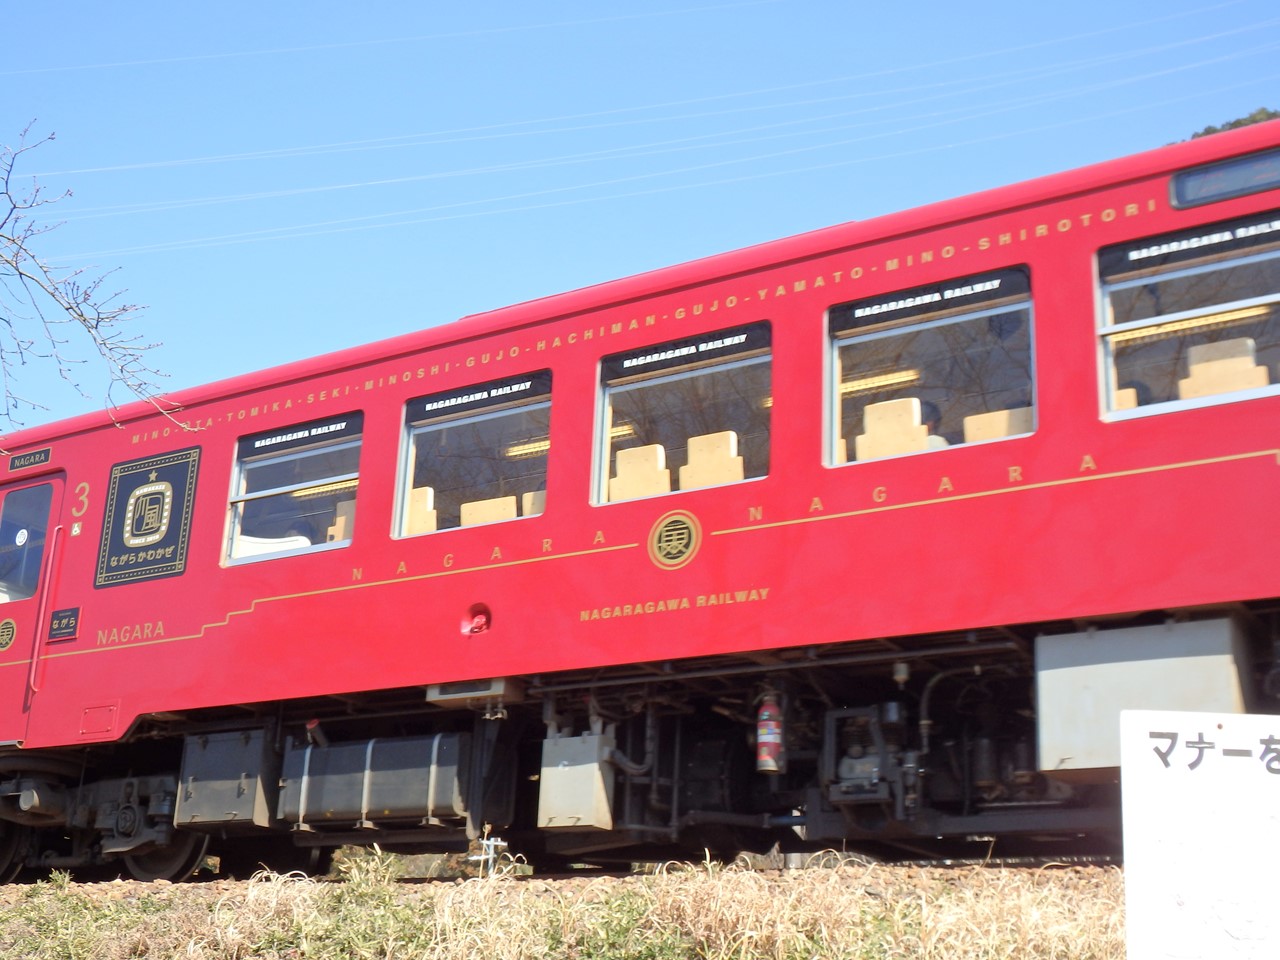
(24, 525)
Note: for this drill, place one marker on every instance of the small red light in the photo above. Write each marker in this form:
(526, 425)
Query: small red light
(478, 619)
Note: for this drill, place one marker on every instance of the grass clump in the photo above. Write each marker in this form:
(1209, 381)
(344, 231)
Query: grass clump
(846, 911)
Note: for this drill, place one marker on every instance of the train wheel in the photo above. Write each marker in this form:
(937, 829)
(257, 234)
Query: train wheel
(174, 862)
(13, 848)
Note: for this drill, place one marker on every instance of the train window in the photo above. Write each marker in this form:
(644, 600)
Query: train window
(1192, 317)
(24, 524)
(477, 455)
(685, 414)
(295, 488)
(1236, 177)
(932, 367)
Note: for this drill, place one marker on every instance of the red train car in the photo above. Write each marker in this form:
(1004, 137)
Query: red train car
(859, 538)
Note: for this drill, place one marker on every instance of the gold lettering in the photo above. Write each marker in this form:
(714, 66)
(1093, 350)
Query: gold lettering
(755, 513)
(448, 559)
(357, 574)
(879, 494)
(1015, 474)
(1087, 464)
(131, 633)
(815, 505)
(401, 568)
(945, 486)
(546, 545)
(497, 554)
(599, 538)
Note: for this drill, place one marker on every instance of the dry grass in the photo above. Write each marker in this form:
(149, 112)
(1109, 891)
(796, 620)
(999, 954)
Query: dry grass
(694, 911)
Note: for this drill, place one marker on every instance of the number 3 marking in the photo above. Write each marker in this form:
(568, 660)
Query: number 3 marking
(82, 491)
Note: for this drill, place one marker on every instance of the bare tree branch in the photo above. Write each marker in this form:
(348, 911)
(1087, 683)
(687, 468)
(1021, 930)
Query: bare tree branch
(49, 313)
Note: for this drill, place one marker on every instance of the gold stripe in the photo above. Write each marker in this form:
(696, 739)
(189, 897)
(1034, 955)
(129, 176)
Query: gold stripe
(1044, 484)
(1021, 487)
(254, 604)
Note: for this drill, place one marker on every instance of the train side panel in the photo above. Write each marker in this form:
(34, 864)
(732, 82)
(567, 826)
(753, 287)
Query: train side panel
(1080, 518)
(329, 541)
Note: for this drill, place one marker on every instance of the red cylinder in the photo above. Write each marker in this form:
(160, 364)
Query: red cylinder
(771, 755)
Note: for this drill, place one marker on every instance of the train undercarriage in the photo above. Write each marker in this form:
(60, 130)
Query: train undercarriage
(993, 743)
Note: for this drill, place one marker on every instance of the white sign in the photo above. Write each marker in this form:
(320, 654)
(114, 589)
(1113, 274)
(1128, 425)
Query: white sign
(1201, 802)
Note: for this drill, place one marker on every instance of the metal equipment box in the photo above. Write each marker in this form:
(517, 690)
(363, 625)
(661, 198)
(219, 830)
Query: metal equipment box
(227, 779)
(575, 791)
(1084, 680)
(370, 782)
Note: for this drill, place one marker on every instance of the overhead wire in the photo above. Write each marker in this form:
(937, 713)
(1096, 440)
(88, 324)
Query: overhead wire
(434, 137)
(737, 137)
(891, 103)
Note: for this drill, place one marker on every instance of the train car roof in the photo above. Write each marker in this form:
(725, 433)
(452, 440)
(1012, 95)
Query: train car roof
(673, 278)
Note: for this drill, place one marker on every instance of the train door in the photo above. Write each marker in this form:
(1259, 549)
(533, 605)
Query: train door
(28, 547)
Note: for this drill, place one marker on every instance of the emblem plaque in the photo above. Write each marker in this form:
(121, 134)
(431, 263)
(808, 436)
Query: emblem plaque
(674, 539)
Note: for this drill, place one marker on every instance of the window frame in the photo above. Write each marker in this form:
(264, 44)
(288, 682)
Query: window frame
(920, 301)
(295, 442)
(29, 553)
(663, 363)
(473, 403)
(1189, 254)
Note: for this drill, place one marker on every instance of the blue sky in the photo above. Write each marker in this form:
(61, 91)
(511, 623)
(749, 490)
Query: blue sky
(276, 180)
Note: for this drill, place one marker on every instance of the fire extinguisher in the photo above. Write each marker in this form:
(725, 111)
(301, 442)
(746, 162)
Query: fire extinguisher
(771, 754)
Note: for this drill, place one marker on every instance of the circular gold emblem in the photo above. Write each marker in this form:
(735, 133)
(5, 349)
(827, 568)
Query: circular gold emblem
(674, 539)
(8, 630)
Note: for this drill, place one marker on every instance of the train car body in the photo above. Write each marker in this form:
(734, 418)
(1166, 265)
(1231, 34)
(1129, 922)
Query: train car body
(858, 538)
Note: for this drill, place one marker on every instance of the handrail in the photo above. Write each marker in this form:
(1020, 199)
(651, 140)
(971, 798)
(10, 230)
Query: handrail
(42, 608)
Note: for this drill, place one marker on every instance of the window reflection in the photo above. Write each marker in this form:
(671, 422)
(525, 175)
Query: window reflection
(478, 455)
(24, 524)
(933, 367)
(296, 488)
(1192, 315)
(687, 414)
